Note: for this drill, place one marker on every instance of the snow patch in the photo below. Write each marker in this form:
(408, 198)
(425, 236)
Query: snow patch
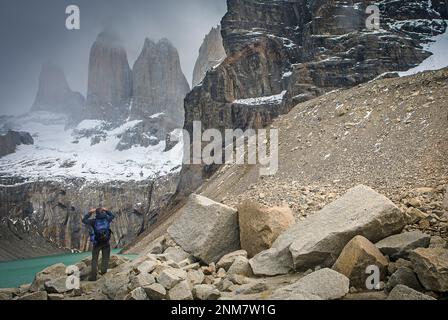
(274, 99)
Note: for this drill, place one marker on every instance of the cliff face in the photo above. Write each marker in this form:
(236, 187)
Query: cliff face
(110, 80)
(55, 95)
(211, 54)
(51, 212)
(299, 50)
(159, 84)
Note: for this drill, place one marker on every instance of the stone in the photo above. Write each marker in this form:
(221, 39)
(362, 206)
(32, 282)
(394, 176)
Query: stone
(142, 280)
(171, 277)
(206, 229)
(401, 292)
(115, 287)
(240, 266)
(356, 256)
(415, 215)
(8, 293)
(48, 274)
(195, 276)
(116, 261)
(366, 296)
(56, 296)
(11, 139)
(155, 291)
(320, 238)
(206, 292)
(437, 242)
(39, 295)
(226, 261)
(293, 296)
(399, 246)
(177, 254)
(138, 294)
(146, 267)
(181, 291)
(400, 263)
(326, 284)
(431, 267)
(260, 226)
(57, 285)
(404, 276)
(224, 285)
(445, 200)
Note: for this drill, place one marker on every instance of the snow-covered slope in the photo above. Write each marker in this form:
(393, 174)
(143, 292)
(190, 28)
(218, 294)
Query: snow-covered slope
(438, 60)
(87, 151)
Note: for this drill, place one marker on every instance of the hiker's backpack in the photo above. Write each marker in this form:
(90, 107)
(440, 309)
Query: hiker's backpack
(101, 230)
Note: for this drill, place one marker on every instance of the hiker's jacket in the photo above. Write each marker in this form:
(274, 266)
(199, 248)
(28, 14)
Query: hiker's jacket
(91, 222)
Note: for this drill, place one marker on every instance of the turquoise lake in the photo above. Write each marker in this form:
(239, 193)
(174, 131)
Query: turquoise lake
(18, 272)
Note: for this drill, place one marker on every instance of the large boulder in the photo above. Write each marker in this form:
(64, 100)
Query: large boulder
(206, 229)
(399, 246)
(7, 293)
(51, 273)
(326, 284)
(357, 255)
(431, 266)
(137, 294)
(401, 292)
(115, 287)
(240, 266)
(260, 226)
(319, 239)
(57, 285)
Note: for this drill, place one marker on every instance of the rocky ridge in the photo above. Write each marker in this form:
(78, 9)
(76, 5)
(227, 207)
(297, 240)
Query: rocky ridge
(285, 52)
(167, 270)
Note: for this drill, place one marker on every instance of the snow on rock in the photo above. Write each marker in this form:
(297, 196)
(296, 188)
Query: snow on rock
(60, 152)
(274, 99)
(438, 60)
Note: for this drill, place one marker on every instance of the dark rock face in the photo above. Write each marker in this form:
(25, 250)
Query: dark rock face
(55, 95)
(50, 213)
(211, 53)
(159, 84)
(110, 80)
(306, 48)
(10, 140)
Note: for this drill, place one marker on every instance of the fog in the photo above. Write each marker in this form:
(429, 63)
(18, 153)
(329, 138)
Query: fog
(33, 32)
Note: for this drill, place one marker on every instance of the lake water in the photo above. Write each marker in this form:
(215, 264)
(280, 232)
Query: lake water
(18, 272)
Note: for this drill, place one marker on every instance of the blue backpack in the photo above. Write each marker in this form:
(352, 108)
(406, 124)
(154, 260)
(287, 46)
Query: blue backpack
(101, 231)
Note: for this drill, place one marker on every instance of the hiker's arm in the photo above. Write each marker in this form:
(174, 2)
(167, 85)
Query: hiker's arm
(86, 220)
(110, 215)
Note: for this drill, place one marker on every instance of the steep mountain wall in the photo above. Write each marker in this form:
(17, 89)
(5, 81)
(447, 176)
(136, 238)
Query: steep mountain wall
(110, 79)
(51, 212)
(159, 84)
(55, 95)
(211, 54)
(300, 50)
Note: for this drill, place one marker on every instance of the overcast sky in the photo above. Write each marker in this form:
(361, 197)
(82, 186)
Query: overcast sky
(33, 32)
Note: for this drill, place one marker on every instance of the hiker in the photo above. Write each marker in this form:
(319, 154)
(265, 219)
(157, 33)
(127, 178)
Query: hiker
(100, 235)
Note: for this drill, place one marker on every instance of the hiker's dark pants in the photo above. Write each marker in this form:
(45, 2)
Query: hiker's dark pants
(105, 256)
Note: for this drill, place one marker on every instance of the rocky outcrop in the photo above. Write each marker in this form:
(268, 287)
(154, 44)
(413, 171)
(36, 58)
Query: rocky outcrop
(211, 54)
(206, 229)
(49, 214)
(260, 226)
(299, 50)
(356, 257)
(320, 239)
(11, 139)
(54, 93)
(159, 86)
(110, 80)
